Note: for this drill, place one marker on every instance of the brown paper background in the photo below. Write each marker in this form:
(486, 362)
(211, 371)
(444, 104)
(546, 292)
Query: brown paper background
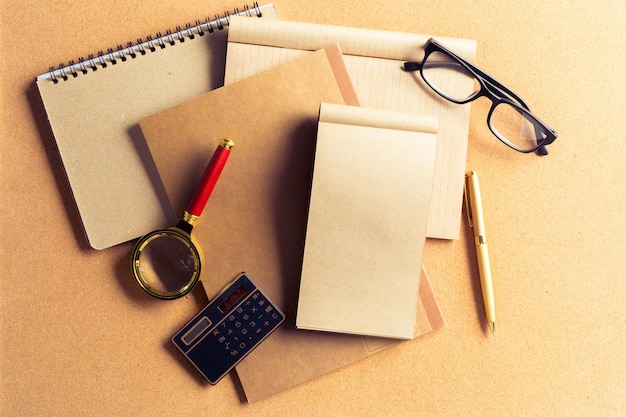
(73, 323)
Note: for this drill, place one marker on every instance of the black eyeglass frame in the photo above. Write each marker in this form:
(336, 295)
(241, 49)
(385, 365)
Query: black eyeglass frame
(490, 88)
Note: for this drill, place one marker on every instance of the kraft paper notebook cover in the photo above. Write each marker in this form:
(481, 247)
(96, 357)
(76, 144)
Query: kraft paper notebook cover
(255, 220)
(94, 104)
(366, 227)
(374, 60)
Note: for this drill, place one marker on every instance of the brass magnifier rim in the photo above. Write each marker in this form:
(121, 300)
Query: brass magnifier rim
(181, 236)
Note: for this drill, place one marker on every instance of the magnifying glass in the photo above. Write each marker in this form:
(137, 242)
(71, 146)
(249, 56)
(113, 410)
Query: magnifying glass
(167, 262)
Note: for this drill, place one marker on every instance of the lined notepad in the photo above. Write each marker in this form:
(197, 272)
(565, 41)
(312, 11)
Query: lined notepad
(374, 60)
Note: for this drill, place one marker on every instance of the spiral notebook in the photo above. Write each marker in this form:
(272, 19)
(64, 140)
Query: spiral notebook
(374, 60)
(94, 104)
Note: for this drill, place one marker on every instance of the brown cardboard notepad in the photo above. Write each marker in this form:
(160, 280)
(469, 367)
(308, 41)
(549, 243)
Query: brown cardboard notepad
(370, 198)
(255, 219)
(374, 59)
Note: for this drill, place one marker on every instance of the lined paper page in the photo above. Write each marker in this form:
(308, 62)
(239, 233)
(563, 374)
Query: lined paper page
(374, 60)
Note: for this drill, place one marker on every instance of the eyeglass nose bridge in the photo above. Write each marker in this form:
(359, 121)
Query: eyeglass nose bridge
(492, 93)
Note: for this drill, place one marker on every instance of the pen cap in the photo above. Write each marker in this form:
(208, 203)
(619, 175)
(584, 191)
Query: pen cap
(474, 203)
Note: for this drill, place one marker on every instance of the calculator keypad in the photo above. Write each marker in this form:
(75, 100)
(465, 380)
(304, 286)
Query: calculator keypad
(247, 325)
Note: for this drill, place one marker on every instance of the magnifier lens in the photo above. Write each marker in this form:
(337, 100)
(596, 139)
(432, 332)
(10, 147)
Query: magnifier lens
(167, 264)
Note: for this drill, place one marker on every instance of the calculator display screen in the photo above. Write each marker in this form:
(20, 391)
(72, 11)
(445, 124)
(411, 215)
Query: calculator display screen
(232, 299)
(193, 333)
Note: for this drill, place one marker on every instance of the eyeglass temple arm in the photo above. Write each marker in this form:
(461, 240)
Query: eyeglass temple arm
(499, 86)
(416, 66)
(412, 66)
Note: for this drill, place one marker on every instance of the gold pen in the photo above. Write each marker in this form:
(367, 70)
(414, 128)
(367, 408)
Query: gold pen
(477, 222)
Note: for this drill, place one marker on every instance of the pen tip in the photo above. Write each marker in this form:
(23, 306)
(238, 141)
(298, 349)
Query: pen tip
(492, 327)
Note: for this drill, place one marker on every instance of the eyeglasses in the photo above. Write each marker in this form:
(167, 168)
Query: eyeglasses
(459, 81)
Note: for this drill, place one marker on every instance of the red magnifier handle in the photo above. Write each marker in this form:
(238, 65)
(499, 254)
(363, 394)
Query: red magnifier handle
(210, 177)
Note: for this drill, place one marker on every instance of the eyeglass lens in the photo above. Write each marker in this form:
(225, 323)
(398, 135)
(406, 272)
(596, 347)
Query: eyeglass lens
(516, 127)
(449, 78)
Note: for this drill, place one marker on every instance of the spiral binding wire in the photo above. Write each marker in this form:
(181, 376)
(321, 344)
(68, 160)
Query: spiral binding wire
(141, 47)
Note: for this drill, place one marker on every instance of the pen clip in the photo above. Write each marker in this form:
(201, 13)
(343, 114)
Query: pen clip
(468, 208)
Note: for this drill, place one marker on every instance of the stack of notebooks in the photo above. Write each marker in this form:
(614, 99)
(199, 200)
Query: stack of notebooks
(343, 165)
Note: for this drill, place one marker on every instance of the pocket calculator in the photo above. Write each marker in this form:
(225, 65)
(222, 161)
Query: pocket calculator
(228, 329)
